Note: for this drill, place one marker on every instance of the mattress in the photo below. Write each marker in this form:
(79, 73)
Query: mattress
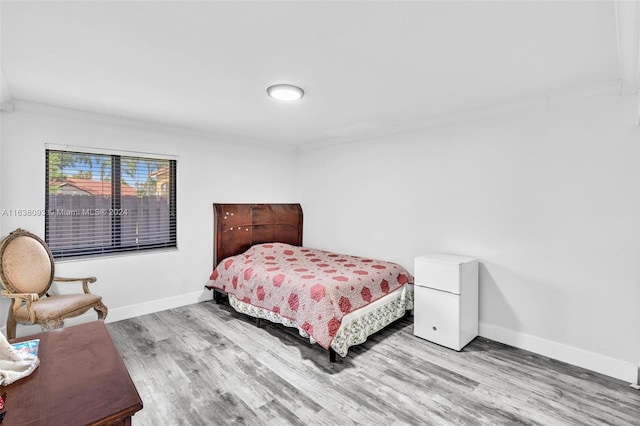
(333, 299)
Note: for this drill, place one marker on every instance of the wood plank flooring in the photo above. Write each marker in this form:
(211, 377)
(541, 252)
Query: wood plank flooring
(205, 364)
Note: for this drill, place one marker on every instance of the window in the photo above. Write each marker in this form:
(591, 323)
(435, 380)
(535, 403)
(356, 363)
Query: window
(99, 204)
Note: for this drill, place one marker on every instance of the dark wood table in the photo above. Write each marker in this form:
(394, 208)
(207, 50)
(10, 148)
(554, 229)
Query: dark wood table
(81, 380)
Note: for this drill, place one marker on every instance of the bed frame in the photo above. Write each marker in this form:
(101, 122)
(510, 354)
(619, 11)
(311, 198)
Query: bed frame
(239, 226)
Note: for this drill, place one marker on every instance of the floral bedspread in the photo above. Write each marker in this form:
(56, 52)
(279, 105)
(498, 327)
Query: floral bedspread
(314, 288)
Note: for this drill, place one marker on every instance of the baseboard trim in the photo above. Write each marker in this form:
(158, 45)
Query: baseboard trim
(602, 364)
(131, 311)
(612, 367)
(125, 312)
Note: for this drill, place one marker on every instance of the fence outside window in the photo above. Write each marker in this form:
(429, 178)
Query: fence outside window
(91, 213)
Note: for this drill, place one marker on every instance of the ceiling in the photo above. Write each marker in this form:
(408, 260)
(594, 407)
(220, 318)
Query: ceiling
(366, 67)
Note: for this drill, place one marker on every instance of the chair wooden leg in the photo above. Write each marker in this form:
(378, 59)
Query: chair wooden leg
(102, 310)
(11, 325)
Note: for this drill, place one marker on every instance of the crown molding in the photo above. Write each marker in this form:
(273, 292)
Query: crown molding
(558, 97)
(22, 105)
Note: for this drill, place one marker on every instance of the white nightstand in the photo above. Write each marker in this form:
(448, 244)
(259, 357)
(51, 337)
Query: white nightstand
(446, 299)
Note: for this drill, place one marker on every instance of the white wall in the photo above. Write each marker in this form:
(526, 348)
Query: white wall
(5, 104)
(546, 197)
(210, 169)
(1, 127)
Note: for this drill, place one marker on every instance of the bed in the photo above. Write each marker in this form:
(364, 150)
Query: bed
(332, 299)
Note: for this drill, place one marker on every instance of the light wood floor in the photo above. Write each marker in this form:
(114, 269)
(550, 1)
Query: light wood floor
(205, 364)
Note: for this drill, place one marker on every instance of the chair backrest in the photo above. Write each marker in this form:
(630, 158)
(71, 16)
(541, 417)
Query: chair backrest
(26, 263)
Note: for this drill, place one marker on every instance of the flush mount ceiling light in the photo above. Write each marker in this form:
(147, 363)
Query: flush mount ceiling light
(285, 92)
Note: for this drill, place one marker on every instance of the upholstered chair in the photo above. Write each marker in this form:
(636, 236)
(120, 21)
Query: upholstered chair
(26, 273)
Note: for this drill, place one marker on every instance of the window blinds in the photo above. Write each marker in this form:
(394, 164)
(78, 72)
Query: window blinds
(100, 204)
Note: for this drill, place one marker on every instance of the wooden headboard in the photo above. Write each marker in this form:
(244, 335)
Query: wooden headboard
(237, 227)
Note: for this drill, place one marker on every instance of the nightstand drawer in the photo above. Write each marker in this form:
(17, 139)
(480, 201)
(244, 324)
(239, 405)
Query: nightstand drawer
(437, 317)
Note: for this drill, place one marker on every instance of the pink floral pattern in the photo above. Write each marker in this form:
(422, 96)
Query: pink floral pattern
(312, 287)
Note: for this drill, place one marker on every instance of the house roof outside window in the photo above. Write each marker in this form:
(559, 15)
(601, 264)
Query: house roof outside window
(77, 186)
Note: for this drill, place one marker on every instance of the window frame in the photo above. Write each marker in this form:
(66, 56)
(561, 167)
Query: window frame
(116, 246)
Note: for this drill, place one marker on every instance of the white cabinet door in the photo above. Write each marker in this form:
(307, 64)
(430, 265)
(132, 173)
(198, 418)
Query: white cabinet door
(437, 317)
